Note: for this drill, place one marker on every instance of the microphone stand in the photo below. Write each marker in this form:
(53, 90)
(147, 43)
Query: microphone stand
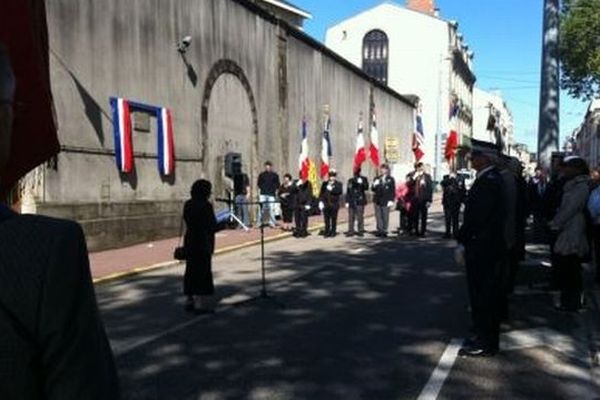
(232, 216)
(264, 294)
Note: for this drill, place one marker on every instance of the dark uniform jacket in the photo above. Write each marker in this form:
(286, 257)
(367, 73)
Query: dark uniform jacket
(331, 198)
(268, 183)
(453, 192)
(482, 232)
(384, 190)
(356, 191)
(423, 191)
(301, 195)
(52, 342)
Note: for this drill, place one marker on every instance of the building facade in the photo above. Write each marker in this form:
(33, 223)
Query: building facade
(493, 120)
(243, 83)
(585, 140)
(412, 50)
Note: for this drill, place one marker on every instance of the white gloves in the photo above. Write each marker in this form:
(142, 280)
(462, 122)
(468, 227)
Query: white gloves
(390, 204)
(347, 205)
(321, 206)
(376, 182)
(299, 182)
(330, 187)
(359, 180)
(459, 255)
(307, 207)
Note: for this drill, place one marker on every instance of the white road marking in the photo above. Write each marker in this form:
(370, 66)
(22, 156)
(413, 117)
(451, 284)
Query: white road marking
(440, 373)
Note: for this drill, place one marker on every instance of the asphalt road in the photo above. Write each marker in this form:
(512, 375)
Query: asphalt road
(364, 318)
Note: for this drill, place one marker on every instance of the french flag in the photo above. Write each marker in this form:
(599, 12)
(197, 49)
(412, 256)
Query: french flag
(360, 155)
(419, 136)
(326, 151)
(303, 160)
(122, 134)
(374, 142)
(452, 141)
(166, 149)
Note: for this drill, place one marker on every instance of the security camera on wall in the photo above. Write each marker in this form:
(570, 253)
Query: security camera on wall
(184, 44)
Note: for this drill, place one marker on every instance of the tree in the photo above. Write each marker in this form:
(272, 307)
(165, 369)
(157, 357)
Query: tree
(580, 48)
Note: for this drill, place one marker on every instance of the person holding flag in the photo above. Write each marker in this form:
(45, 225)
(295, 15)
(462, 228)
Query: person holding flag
(356, 199)
(329, 203)
(360, 154)
(384, 194)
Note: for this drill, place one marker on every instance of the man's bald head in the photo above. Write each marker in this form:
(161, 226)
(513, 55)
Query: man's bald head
(7, 94)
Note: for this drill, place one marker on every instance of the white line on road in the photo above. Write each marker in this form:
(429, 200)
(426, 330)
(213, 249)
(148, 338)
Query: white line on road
(440, 373)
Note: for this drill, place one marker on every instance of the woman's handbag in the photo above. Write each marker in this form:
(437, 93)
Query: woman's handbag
(180, 253)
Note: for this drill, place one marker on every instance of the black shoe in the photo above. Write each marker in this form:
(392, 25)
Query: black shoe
(476, 351)
(333, 234)
(447, 236)
(360, 234)
(349, 234)
(383, 234)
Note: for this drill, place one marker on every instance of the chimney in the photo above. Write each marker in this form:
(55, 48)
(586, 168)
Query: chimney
(424, 6)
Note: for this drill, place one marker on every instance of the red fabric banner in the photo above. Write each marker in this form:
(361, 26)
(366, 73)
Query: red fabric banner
(34, 140)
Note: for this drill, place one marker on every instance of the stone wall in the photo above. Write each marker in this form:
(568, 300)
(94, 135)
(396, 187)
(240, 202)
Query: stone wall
(243, 85)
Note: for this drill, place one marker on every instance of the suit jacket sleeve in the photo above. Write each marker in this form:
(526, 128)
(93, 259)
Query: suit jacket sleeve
(480, 211)
(390, 193)
(76, 358)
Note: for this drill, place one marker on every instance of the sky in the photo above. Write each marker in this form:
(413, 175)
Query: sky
(506, 38)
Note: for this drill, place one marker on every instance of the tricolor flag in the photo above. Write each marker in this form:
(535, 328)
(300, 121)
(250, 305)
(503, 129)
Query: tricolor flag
(374, 142)
(326, 151)
(360, 155)
(166, 149)
(303, 160)
(452, 141)
(122, 134)
(418, 136)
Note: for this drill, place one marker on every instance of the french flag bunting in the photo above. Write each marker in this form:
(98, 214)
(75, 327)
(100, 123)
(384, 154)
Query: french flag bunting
(419, 136)
(326, 151)
(374, 142)
(166, 149)
(303, 160)
(360, 154)
(122, 134)
(452, 141)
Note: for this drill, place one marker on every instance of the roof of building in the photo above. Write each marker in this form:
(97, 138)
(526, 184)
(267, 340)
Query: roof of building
(286, 5)
(394, 5)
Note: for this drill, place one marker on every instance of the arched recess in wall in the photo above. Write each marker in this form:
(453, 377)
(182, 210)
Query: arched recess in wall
(223, 71)
(375, 55)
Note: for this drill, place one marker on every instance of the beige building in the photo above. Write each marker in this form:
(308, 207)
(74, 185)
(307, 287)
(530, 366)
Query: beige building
(492, 119)
(585, 140)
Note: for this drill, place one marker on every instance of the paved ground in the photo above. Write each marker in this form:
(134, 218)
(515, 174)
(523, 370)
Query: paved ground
(364, 319)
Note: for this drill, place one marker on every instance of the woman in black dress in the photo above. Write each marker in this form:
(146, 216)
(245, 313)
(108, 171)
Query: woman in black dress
(285, 197)
(199, 243)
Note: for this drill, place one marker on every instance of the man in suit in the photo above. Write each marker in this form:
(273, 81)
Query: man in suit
(453, 195)
(384, 194)
(301, 203)
(356, 199)
(268, 184)
(482, 236)
(329, 203)
(422, 198)
(52, 341)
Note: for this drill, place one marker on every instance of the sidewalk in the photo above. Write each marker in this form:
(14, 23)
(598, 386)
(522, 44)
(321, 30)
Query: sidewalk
(115, 264)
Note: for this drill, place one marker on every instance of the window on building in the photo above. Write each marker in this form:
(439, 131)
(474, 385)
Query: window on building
(375, 55)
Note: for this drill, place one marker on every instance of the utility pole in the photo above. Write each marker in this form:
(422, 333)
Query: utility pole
(548, 128)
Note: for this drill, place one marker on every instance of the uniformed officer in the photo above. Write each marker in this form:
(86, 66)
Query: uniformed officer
(356, 199)
(384, 193)
(453, 195)
(302, 199)
(329, 203)
(483, 239)
(422, 198)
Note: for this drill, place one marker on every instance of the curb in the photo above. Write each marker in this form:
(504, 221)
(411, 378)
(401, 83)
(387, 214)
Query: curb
(141, 270)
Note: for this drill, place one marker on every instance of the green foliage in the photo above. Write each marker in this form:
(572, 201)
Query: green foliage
(580, 48)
